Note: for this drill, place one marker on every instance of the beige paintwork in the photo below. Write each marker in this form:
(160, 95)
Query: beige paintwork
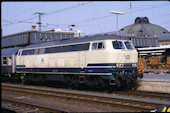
(80, 58)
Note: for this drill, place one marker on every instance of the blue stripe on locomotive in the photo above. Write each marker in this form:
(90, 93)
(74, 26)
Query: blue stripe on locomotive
(87, 70)
(103, 64)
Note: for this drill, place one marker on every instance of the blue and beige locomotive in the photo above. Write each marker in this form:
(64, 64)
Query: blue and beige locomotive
(99, 60)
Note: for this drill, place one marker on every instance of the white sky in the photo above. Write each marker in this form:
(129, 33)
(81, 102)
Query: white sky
(87, 16)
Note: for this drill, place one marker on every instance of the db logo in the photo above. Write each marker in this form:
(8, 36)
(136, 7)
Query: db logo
(42, 59)
(127, 57)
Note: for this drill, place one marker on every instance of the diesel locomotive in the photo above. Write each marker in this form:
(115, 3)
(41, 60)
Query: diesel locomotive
(99, 60)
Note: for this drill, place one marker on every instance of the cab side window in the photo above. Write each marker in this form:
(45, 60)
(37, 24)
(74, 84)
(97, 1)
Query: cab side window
(99, 45)
(94, 46)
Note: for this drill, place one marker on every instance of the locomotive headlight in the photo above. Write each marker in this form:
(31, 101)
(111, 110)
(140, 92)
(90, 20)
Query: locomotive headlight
(134, 65)
(119, 65)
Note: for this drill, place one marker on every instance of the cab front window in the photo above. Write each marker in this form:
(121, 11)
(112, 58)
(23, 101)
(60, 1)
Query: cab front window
(118, 45)
(129, 45)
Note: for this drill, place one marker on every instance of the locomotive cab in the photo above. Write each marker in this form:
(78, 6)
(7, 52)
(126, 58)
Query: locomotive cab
(126, 66)
(116, 60)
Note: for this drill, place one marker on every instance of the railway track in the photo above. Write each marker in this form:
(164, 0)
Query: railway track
(142, 94)
(139, 104)
(20, 106)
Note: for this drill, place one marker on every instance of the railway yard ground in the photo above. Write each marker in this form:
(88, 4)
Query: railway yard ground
(31, 98)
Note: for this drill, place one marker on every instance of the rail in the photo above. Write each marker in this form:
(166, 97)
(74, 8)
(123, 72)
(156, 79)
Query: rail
(141, 104)
(31, 105)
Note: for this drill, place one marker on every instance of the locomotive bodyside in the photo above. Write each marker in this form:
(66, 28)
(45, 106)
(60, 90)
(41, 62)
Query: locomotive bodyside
(97, 62)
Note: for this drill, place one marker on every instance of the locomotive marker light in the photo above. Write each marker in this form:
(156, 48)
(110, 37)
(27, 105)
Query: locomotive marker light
(116, 12)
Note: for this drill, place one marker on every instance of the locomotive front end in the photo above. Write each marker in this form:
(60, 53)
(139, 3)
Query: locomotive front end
(126, 57)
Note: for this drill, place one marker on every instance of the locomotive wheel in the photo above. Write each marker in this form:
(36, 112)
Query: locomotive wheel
(129, 82)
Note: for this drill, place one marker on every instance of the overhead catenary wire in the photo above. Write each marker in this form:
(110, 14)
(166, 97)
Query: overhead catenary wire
(26, 11)
(78, 23)
(19, 21)
(68, 8)
(106, 16)
(92, 19)
(6, 21)
(58, 11)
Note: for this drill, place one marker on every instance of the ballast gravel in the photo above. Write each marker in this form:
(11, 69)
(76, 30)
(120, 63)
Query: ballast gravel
(63, 104)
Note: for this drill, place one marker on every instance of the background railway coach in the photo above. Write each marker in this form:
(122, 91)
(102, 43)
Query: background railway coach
(100, 60)
(8, 63)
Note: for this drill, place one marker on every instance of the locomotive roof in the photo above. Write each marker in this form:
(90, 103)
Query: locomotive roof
(9, 51)
(76, 40)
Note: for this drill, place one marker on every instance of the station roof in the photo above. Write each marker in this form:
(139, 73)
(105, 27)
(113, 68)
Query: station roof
(154, 48)
(32, 31)
(143, 27)
(164, 38)
(154, 51)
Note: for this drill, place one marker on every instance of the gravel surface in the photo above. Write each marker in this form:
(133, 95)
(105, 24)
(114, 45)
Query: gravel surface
(64, 104)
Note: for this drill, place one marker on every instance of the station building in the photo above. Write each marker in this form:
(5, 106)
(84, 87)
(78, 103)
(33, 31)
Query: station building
(31, 37)
(151, 59)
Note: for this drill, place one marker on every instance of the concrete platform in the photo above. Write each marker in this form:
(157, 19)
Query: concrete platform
(155, 83)
(156, 76)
